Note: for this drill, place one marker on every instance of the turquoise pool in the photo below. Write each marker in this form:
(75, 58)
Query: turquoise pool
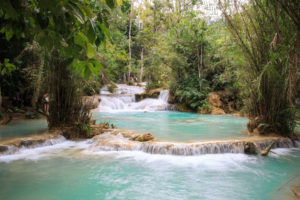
(72, 170)
(178, 126)
(19, 128)
(69, 172)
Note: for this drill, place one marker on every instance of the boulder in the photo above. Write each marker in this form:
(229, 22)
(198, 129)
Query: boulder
(99, 129)
(145, 137)
(250, 148)
(3, 148)
(92, 102)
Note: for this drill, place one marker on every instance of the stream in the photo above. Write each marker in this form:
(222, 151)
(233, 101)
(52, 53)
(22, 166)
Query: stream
(71, 170)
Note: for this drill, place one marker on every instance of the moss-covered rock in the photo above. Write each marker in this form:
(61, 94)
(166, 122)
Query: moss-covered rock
(149, 94)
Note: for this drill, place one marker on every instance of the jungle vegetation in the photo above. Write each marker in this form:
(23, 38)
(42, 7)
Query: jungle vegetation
(71, 48)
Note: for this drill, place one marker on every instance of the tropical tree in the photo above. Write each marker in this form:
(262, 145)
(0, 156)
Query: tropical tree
(266, 35)
(70, 32)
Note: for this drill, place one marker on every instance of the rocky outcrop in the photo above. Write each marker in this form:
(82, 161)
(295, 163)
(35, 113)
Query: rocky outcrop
(144, 137)
(118, 140)
(149, 94)
(92, 102)
(217, 111)
(95, 129)
(221, 102)
(215, 100)
(13, 144)
(3, 148)
(250, 148)
(31, 142)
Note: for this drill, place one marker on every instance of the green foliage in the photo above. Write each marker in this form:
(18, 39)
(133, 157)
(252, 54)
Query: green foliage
(7, 68)
(266, 37)
(185, 93)
(72, 27)
(83, 129)
(151, 86)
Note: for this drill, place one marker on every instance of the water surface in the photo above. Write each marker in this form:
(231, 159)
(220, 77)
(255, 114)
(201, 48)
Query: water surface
(177, 126)
(68, 172)
(20, 128)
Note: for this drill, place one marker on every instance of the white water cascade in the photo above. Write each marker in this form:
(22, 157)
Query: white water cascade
(123, 99)
(111, 142)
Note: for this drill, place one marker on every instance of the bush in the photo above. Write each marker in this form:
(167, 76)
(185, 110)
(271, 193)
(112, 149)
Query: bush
(187, 92)
(151, 86)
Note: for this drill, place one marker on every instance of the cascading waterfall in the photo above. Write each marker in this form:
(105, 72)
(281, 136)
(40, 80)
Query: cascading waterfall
(123, 99)
(110, 142)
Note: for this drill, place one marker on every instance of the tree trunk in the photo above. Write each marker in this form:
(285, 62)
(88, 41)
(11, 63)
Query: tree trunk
(199, 63)
(142, 65)
(0, 99)
(129, 46)
(37, 88)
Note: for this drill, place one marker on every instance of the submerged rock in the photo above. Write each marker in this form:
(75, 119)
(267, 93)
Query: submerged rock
(31, 142)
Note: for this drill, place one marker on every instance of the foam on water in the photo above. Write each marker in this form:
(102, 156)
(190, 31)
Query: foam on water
(52, 147)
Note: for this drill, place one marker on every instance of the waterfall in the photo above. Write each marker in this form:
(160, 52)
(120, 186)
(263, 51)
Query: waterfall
(110, 142)
(164, 96)
(123, 99)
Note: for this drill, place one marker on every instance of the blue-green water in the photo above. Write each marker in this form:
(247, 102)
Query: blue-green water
(74, 170)
(18, 128)
(178, 126)
(67, 172)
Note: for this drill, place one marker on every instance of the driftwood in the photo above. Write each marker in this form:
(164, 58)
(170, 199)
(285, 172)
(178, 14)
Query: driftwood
(267, 150)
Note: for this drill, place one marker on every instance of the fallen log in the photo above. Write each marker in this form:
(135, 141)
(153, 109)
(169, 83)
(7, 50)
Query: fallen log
(267, 150)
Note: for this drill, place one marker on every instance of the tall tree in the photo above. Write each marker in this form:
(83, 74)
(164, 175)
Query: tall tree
(266, 36)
